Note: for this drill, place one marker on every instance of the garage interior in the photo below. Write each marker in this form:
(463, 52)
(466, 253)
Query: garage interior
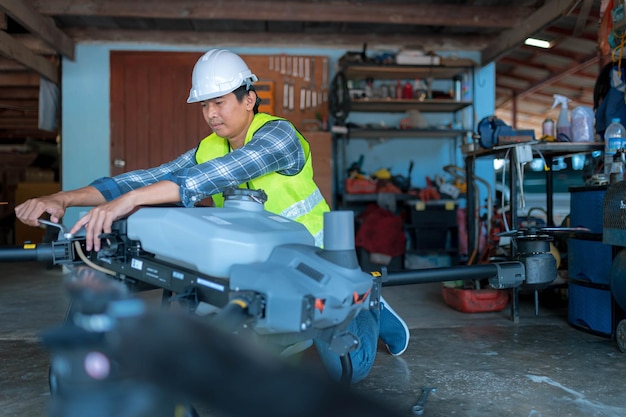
(78, 101)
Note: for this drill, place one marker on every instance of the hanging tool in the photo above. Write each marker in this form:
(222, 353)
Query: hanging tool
(308, 77)
(291, 96)
(285, 96)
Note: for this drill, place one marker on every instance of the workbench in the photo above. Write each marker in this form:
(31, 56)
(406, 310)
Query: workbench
(549, 151)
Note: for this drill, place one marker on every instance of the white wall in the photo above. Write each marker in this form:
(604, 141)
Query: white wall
(86, 131)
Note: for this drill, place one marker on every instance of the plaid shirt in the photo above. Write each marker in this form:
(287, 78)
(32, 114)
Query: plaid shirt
(273, 148)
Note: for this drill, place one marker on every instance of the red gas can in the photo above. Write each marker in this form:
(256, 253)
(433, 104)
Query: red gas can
(475, 301)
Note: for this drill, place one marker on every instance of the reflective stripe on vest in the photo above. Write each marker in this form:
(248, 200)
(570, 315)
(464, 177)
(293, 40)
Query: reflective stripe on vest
(302, 207)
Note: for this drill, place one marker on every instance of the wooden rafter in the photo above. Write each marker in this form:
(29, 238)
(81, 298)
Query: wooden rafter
(40, 25)
(550, 11)
(348, 41)
(13, 49)
(314, 11)
(583, 16)
(554, 78)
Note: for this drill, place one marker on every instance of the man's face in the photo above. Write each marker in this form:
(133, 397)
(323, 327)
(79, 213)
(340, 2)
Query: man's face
(226, 116)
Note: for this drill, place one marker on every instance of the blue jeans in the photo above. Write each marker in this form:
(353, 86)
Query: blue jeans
(365, 326)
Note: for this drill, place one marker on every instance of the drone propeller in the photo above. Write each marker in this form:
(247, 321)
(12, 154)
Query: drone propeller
(538, 230)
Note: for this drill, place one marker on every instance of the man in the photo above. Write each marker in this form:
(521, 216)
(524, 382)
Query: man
(246, 149)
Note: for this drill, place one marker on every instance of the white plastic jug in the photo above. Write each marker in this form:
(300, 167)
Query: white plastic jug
(582, 121)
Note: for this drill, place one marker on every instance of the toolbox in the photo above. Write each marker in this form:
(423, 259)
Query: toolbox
(432, 226)
(440, 213)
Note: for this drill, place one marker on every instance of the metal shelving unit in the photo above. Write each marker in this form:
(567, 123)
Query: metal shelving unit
(382, 72)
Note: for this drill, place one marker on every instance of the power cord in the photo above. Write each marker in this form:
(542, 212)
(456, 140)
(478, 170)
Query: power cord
(88, 262)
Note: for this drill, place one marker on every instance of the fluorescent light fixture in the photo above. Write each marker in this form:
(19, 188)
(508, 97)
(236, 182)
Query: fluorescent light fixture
(539, 43)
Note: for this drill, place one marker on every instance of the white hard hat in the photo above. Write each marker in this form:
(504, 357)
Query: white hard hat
(217, 73)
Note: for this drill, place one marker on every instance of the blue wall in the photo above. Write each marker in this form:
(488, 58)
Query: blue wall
(86, 130)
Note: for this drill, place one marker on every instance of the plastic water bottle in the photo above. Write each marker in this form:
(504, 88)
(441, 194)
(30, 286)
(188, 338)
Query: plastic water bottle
(614, 139)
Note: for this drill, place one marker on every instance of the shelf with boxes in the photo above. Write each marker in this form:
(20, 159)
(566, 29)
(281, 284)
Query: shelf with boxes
(434, 101)
(418, 90)
(412, 102)
(398, 88)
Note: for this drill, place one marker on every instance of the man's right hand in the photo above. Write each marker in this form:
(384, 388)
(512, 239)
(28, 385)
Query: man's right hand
(30, 211)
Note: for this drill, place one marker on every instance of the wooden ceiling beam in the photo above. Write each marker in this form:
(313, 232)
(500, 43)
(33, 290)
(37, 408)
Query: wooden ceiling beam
(561, 32)
(583, 16)
(509, 39)
(300, 11)
(13, 49)
(28, 132)
(553, 79)
(17, 123)
(42, 26)
(11, 65)
(523, 63)
(36, 45)
(20, 105)
(554, 51)
(19, 93)
(18, 79)
(335, 40)
(10, 114)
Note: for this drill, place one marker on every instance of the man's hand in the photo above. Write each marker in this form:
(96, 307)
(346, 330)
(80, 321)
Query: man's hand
(99, 219)
(31, 210)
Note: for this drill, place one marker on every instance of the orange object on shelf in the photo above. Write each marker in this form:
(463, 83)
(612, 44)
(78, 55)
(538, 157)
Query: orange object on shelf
(475, 301)
(361, 186)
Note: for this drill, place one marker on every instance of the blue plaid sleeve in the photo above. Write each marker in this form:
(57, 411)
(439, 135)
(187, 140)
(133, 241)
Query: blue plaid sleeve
(273, 148)
(111, 188)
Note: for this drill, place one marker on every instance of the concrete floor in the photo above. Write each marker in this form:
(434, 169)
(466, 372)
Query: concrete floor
(481, 364)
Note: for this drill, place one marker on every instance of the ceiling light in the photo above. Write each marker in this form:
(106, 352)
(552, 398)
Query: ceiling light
(539, 43)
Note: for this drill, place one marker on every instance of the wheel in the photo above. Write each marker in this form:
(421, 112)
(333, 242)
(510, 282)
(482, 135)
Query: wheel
(53, 380)
(620, 336)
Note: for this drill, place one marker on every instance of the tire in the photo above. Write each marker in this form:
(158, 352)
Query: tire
(620, 336)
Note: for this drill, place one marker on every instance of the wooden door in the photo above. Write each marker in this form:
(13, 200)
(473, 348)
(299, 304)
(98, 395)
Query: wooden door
(151, 121)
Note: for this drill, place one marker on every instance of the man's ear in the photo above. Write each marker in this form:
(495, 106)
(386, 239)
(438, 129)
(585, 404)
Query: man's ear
(252, 99)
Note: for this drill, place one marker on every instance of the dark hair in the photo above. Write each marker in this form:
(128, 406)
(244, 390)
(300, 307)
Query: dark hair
(603, 82)
(244, 90)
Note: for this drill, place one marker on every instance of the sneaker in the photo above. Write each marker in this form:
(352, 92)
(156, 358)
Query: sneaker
(393, 330)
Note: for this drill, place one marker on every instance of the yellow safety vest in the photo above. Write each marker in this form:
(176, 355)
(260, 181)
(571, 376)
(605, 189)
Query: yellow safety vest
(295, 197)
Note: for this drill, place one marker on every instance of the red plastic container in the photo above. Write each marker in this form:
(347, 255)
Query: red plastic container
(475, 301)
(360, 186)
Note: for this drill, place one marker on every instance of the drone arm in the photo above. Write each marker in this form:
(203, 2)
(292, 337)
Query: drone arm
(501, 275)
